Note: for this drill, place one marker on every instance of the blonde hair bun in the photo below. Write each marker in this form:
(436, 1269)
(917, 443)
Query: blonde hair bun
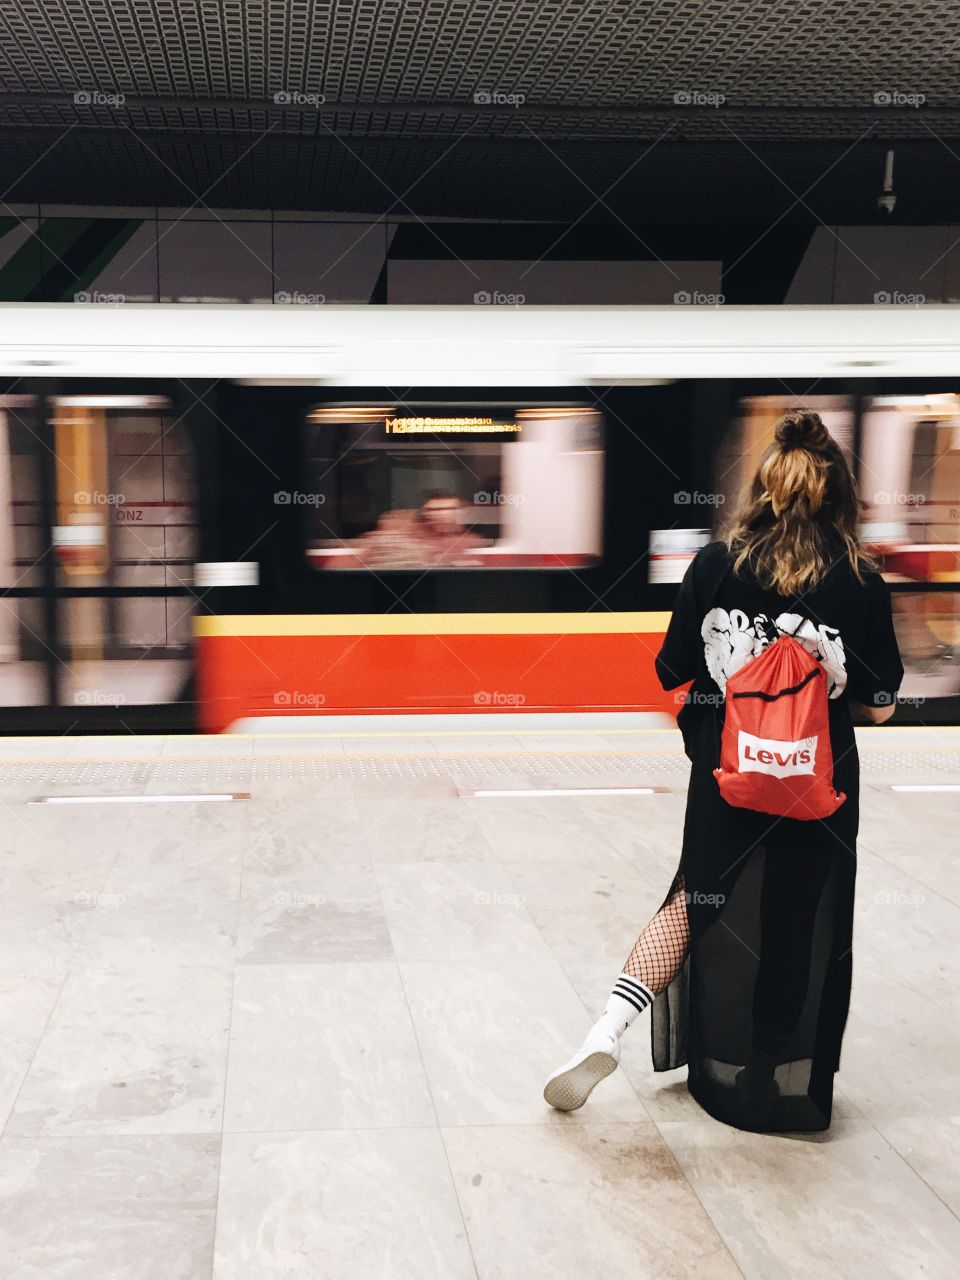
(802, 429)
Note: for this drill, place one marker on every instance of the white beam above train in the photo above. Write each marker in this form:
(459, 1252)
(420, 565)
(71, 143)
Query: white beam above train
(475, 345)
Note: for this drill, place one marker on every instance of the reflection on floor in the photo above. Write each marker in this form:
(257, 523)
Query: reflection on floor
(305, 1034)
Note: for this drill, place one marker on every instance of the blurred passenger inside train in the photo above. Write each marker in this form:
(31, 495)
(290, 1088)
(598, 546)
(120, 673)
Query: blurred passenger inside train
(435, 535)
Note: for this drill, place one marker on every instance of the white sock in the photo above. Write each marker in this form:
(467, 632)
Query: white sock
(627, 1001)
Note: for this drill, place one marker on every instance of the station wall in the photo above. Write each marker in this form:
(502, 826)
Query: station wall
(66, 253)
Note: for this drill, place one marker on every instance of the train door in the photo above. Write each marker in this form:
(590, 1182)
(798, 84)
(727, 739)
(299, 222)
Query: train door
(98, 535)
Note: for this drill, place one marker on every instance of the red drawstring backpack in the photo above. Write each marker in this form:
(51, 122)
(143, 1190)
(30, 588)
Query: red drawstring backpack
(775, 753)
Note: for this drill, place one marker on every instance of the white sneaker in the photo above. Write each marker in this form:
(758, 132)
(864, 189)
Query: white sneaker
(570, 1087)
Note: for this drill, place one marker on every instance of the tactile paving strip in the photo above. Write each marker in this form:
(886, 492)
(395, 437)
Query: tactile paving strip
(593, 768)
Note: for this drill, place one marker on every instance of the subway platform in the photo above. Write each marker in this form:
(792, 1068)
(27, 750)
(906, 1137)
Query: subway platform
(283, 1005)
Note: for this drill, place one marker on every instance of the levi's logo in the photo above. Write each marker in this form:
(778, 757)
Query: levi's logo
(773, 756)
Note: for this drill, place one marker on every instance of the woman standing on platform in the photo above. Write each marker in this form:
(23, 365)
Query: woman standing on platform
(747, 964)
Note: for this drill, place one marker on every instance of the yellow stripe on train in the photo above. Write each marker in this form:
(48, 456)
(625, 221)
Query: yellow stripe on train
(429, 624)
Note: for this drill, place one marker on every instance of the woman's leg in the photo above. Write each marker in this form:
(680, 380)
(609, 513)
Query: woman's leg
(662, 947)
(655, 958)
(653, 962)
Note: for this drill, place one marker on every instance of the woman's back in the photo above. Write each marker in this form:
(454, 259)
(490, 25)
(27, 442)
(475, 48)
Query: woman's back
(724, 617)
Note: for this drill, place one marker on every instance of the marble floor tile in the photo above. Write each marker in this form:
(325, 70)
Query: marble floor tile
(596, 907)
(423, 828)
(62, 839)
(491, 1032)
(108, 1207)
(550, 742)
(191, 746)
(931, 1147)
(323, 1046)
(904, 923)
(581, 1201)
(39, 748)
(137, 1052)
(548, 828)
(388, 744)
(290, 836)
(841, 1204)
(330, 911)
(458, 911)
(339, 1205)
(26, 1002)
(899, 1050)
(40, 914)
(298, 745)
(156, 917)
(474, 743)
(117, 747)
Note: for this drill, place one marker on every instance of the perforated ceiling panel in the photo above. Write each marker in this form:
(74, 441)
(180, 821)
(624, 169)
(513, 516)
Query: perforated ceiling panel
(477, 107)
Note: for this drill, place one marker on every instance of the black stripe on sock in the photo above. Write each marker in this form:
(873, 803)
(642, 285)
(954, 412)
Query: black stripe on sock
(636, 987)
(630, 999)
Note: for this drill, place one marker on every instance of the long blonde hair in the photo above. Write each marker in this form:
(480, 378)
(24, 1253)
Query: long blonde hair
(800, 513)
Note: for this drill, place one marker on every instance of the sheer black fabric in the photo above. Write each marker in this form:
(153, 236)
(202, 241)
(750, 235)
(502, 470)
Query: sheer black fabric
(757, 1009)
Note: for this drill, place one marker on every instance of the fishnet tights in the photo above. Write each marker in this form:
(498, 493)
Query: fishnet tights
(661, 948)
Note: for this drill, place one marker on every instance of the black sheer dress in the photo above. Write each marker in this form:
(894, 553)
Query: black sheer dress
(769, 900)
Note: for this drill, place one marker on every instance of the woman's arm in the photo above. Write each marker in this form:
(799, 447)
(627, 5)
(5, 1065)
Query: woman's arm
(878, 715)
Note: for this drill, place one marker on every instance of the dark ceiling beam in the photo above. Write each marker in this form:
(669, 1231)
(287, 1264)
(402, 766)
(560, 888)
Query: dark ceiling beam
(470, 107)
(674, 131)
(324, 138)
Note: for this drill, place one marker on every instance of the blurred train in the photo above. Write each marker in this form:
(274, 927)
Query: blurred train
(210, 515)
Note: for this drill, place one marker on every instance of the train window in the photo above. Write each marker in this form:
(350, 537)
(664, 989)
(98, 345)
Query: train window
(704, 514)
(910, 482)
(421, 486)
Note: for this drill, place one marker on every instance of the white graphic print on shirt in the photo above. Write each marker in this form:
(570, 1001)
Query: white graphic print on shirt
(731, 639)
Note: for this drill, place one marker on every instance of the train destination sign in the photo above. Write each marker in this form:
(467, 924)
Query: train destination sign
(456, 425)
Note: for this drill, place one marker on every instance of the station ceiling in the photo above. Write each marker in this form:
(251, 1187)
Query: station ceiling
(593, 111)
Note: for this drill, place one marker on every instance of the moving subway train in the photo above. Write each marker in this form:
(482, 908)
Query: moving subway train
(210, 515)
